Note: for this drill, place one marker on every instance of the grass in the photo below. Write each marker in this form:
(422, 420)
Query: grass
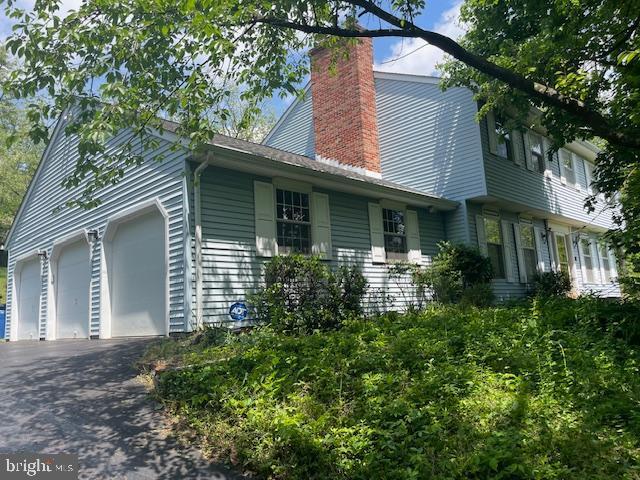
(546, 390)
(3, 285)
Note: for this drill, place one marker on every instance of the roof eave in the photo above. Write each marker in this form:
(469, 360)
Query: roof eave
(248, 162)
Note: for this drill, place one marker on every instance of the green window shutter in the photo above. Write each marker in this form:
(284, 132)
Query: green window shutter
(377, 233)
(413, 237)
(265, 216)
(491, 130)
(522, 271)
(507, 245)
(482, 238)
(538, 234)
(321, 225)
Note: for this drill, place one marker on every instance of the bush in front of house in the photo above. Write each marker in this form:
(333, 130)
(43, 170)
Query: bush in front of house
(545, 390)
(458, 274)
(551, 284)
(303, 295)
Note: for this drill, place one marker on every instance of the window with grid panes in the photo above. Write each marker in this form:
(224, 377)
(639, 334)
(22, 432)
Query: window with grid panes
(566, 158)
(588, 260)
(537, 152)
(293, 222)
(395, 238)
(495, 247)
(606, 263)
(505, 146)
(528, 246)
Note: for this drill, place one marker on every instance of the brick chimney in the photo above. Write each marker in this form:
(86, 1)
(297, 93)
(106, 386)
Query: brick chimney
(344, 107)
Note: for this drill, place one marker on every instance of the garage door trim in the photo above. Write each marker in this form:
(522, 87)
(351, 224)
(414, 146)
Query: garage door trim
(138, 210)
(52, 307)
(15, 292)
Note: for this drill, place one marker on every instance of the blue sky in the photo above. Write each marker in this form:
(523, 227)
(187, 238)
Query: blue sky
(390, 54)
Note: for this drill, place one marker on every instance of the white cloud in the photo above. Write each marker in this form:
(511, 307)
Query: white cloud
(425, 57)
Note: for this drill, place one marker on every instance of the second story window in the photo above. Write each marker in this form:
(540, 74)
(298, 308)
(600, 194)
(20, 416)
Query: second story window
(606, 263)
(293, 222)
(395, 236)
(504, 145)
(566, 166)
(537, 152)
(495, 247)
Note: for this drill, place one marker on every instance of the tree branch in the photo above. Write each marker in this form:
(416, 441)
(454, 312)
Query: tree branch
(594, 120)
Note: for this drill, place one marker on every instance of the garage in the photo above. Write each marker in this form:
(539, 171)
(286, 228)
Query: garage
(73, 281)
(137, 276)
(28, 292)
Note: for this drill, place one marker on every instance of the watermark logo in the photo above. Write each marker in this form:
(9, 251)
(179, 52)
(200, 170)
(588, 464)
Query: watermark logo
(38, 466)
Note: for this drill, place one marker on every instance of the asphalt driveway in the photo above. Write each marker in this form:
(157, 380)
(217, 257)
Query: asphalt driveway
(81, 396)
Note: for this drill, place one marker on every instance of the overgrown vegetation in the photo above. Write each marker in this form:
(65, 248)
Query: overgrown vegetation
(547, 390)
(303, 295)
(457, 274)
(551, 284)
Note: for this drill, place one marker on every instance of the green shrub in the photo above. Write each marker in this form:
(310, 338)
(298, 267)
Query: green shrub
(303, 295)
(459, 273)
(551, 284)
(546, 390)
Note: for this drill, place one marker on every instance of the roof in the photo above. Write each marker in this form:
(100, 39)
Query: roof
(300, 164)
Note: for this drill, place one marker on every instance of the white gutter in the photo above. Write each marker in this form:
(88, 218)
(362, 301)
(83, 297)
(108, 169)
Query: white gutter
(198, 213)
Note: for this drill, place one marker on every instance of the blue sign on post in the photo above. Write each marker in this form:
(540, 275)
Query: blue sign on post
(3, 317)
(238, 311)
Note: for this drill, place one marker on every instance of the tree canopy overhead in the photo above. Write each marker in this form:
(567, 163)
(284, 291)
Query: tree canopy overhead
(578, 61)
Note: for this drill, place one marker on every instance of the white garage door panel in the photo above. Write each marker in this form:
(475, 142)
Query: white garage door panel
(30, 286)
(137, 278)
(72, 290)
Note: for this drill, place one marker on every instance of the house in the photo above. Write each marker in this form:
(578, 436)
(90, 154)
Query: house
(521, 208)
(367, 169)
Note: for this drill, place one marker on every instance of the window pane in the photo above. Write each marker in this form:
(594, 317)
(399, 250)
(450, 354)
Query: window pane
(497, 260)
(395, 243)
(527, 236)
(293, 222)
(492, 231)
(393, 221)
(567, 165)
(563, 255)
(530, 263)
(606, 264)
(588, 260)
(504, 140)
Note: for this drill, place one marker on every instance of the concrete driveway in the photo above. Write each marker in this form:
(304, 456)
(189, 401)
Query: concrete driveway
(81, 396)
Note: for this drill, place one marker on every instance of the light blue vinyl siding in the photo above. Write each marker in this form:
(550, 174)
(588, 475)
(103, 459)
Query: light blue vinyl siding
(231, 268)
(37, 228)
(295, 133)
(429, 139)
(529, 190)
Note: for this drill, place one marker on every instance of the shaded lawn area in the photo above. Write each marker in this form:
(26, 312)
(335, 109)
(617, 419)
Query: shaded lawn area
(545, 390)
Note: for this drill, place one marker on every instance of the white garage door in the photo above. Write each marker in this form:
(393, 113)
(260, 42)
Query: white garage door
(72, 291)
(29, 288)
(137, 277)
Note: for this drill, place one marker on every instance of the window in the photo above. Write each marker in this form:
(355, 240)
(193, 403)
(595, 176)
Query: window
(562, 254)
(395, 235)
(495, 248)
(566, 162)
(528, 246)
(606, 263)
(504, 146)
(537, 152)
(293, 222)
(587, 260)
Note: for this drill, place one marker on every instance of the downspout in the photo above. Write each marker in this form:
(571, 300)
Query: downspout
(198, 214)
